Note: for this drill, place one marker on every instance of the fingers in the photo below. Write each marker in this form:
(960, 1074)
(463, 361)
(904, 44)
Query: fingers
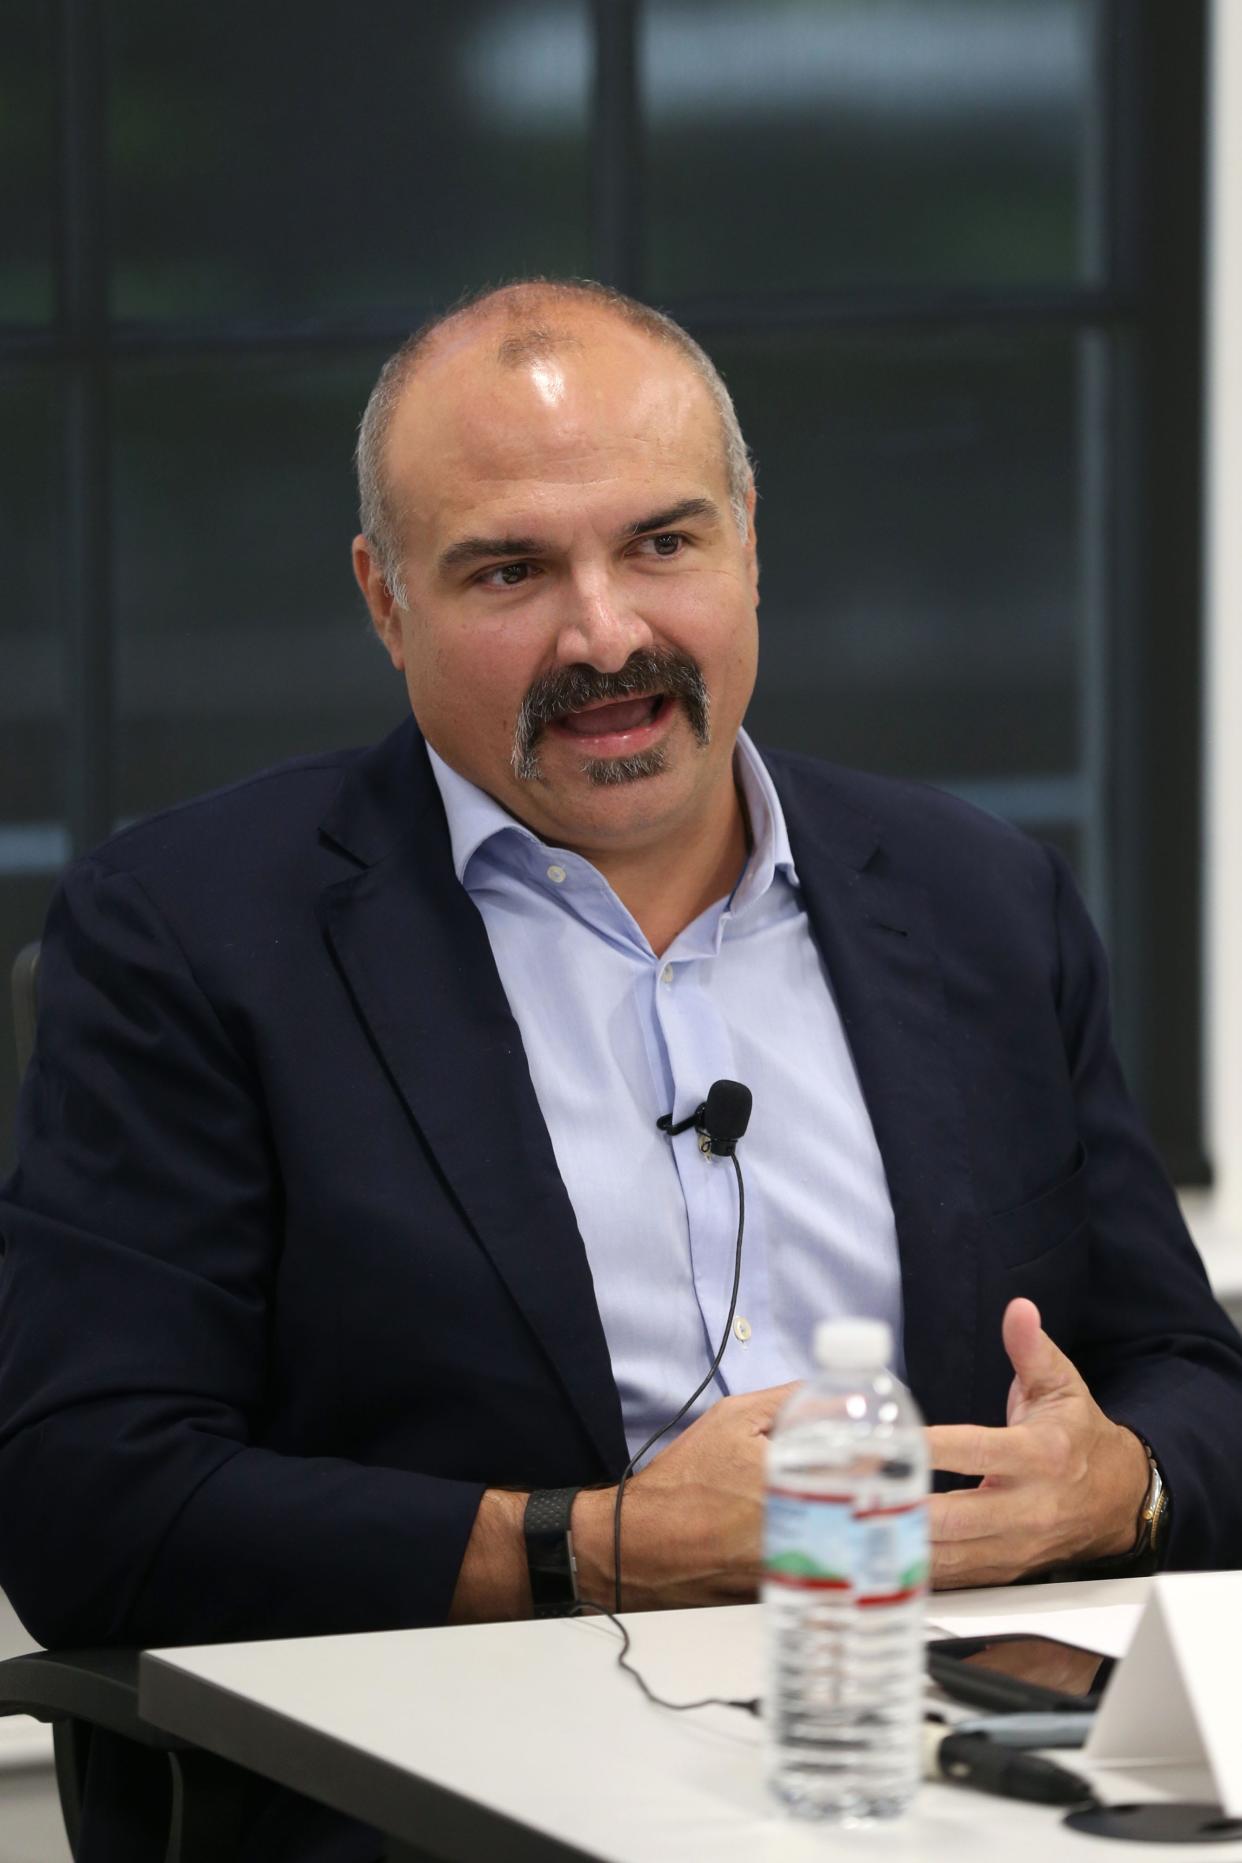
(970, 1449)
(1054, 1482)
(774, 1395)
(1042, 1492)
(729, 1437)
(986, 1536)
(1021, 1318)
(1040, 1366)
(980, 1562)
(972, 1514)
(759, 1408)
(1053, 1451)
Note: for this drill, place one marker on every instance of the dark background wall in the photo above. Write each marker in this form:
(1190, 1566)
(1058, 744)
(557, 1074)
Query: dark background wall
(946, 252)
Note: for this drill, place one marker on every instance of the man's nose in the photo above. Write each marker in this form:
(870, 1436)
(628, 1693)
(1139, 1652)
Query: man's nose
(600, 627)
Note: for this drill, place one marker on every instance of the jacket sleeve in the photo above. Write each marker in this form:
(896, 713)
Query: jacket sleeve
(140, 1242)
(1157, 1351)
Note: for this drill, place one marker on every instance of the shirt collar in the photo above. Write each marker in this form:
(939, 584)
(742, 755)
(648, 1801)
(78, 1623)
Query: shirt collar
(770, 850)
(476, 821)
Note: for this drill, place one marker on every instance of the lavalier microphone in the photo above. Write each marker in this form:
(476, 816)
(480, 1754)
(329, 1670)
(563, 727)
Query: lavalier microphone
(720, 1121)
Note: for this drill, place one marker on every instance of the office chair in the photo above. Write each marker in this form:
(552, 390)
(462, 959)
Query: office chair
(195, 1800)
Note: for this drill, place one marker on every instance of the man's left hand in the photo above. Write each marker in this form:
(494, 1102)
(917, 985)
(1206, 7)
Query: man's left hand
(1061, 1482)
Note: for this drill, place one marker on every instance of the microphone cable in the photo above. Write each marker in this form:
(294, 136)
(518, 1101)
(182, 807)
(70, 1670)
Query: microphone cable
(720, 1122)
(749, 1705)
(698, 1391)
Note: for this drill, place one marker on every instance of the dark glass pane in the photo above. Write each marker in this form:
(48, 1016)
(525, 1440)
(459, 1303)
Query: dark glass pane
(26, 160)
(827, 144)
(923, 610)
(23, 904)
(316, 156)
(242, 637)
(31, 744)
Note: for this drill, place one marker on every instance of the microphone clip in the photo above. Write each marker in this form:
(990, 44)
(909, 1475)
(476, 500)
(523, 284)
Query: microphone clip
(720, 1120)
(665, 1123)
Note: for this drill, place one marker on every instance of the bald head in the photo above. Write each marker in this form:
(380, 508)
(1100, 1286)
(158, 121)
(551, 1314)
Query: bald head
(518, 327)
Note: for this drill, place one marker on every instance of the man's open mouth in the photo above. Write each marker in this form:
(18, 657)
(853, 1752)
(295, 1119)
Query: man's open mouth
(612, 722)
(615, 717)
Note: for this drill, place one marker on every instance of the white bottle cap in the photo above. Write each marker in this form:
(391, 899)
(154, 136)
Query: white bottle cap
(853, 1344)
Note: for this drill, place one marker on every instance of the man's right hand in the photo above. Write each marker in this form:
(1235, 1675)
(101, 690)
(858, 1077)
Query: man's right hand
(691, 1521)
(691, 1525)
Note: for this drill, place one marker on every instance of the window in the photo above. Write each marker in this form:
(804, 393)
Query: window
(947, 254)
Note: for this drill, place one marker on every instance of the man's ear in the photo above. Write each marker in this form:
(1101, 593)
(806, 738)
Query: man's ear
(380, 600)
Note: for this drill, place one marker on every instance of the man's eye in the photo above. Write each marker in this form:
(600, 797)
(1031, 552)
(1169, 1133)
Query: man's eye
(506, 575)
(666, 543)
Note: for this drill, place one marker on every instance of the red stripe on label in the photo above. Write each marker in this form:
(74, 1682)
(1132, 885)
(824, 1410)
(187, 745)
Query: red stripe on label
(876, 1513)
(796, 1494)
(799, 1582)
(892, 1597)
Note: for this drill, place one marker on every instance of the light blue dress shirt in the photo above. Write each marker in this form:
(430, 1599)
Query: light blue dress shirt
(615, 1036)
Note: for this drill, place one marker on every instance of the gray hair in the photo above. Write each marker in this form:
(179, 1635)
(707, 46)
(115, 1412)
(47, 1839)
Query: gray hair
(379, 518)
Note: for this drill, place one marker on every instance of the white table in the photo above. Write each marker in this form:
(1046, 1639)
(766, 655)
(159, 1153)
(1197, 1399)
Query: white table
(525, 1741)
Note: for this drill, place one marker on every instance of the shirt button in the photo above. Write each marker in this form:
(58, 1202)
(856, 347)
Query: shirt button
(556, 875)
(742, 1328)
(666, 975)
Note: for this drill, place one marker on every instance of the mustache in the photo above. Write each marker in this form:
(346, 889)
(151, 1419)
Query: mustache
(663, 671)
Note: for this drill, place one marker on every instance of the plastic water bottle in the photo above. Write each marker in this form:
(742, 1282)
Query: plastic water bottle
(845, 1578)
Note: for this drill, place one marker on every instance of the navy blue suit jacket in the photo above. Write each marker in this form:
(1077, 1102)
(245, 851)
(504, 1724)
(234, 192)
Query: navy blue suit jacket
(289, 1274)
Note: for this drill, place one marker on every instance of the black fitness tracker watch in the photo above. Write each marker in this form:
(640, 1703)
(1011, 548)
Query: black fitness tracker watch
(550, 1551)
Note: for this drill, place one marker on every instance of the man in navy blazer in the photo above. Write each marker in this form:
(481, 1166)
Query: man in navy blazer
(295, 1309)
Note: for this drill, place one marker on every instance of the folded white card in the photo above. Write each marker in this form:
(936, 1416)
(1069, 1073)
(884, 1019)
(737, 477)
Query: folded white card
(1174, 1697)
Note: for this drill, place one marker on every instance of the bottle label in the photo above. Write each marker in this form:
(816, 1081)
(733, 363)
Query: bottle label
(825, 1542)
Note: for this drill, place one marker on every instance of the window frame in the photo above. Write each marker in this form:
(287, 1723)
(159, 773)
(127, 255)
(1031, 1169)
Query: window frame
(1149, 311)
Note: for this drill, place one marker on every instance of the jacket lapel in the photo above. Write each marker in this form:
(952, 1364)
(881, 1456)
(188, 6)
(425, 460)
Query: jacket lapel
(415, 957)
(414, 954)
(876, 936)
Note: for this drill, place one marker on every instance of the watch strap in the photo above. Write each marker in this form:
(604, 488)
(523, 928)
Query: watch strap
(550, 1551)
